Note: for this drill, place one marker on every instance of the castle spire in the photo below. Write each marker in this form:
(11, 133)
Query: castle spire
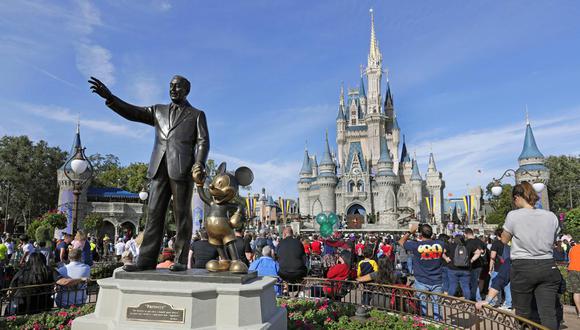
(361, 88)
(388, 97)
(341, 110)
(530, 149)
(432, 167)
(416, 176)
(374, 53)
(77, 142)
(327, 157)
(404, 154)
(306, 165)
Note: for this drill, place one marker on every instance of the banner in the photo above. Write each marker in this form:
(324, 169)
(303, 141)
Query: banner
(196, 212)
(66, 206)
(468, 210)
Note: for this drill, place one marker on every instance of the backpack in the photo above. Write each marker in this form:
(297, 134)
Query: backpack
(461, 256)
(505, 254)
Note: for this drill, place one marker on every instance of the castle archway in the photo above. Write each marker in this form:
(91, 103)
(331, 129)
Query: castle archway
(355, 216)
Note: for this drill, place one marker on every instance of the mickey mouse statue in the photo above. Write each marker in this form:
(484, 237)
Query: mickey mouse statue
(224, 216)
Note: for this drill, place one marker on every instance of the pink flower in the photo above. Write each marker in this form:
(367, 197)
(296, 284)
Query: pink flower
(328, 319)
(61, 326)
(69, 323)
(11, 318)
(283, 305)
(36, 326)
(63, 314)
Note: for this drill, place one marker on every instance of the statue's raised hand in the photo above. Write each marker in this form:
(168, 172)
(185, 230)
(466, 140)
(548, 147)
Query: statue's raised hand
(98, 87)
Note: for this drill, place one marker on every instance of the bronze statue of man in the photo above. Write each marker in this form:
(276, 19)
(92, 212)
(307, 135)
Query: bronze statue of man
(181, 143)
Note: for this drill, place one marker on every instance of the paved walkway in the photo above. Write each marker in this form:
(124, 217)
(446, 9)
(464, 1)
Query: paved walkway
(571, 320)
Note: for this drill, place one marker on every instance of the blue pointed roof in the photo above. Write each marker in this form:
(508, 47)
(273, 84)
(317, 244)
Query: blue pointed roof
(385, 155)
(355, 149)
(361, 88)
(306, 165)
(416, 175)
(396, 124)
(388, 96)
(76, 145)
(341, 115)
(326, 157)
(530, 149)
(404, 154)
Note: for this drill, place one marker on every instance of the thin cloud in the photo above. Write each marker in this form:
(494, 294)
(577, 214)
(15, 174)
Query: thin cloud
(94, 60)
(475, 158)
(65, 115)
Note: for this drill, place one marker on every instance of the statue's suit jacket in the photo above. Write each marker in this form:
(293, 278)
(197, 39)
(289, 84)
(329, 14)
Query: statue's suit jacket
(183, 142)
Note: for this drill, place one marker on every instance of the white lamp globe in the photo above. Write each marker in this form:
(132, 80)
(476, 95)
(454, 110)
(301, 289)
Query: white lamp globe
(143, 195)
(79, 166)
(539, 187)
(496, 190)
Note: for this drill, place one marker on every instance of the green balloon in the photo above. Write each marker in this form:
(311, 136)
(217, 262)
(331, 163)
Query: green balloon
(321, 218)
(332, 218)
(326, 230)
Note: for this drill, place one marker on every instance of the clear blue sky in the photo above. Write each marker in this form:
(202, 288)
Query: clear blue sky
(268, 73)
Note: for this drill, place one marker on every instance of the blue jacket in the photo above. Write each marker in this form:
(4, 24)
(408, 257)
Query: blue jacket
(265, 266)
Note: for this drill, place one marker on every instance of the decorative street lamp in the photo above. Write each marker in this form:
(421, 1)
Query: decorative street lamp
(497, 188)
(79, 163)
(143, 195)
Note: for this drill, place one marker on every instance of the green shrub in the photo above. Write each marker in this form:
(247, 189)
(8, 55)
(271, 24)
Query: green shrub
(60, 319)
(44, 233)
(326, 314)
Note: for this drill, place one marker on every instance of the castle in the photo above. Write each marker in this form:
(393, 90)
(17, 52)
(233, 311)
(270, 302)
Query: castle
(366, 178)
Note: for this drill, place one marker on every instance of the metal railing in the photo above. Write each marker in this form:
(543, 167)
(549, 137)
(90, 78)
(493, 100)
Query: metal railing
(34, 299)
(451, 312)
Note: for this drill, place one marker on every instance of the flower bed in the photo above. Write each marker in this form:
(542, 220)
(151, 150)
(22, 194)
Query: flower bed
(325, 314)
(60, 319)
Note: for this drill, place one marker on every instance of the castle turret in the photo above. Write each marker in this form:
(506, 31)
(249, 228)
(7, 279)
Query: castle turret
(417, 184)
(435, 186)
(362, 95)
(327, 180)
(304, 184)
(341, 125)
(387, 182)
(405, 164)
(66, 187)
(532, 167)
(374, 72)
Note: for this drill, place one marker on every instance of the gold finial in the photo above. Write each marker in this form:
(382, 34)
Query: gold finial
(374, 51)
(342, 93)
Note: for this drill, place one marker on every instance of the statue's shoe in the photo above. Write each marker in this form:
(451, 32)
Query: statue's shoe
(178, 267)
(136, 268)
(217, 266)
(238, 267)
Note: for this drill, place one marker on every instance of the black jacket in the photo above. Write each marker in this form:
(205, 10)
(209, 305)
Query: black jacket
(182, 143)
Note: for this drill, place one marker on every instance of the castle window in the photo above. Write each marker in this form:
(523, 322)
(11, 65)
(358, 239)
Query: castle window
(351, 186)
(360, 186)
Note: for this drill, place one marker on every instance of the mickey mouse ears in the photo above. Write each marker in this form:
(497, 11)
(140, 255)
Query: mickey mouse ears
(244, 176)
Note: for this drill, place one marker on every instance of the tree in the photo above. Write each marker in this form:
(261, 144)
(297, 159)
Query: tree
(564, 184)
(572, 223)
(501, 205)
(93, 222)
(109, 173)
(28, 177)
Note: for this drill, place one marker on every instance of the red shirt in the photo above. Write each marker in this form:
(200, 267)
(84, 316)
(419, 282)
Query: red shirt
(306, 248)
(359, 249)
(316, 247)
(338, 272)
(387, 250)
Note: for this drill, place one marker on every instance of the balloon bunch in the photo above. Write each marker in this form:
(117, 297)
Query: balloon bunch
(326, 223)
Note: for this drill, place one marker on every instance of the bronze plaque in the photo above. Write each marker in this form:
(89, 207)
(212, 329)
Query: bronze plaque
(156, 312)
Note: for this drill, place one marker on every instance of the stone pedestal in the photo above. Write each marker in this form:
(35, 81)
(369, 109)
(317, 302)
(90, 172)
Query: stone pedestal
(195, 299)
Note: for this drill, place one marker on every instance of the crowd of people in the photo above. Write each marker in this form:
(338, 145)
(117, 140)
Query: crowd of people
(512, 269)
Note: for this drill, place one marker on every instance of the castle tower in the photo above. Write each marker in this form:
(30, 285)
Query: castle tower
(304, 185)
(387, 182)
(341, 126)
(65, 193)
(362, 96)
(532, 167)
(374, 72)
(417, 184)
(405, 165)
(435, 186)
(327, 180)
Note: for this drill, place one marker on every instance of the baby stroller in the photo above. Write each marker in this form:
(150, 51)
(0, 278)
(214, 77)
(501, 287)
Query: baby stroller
(316, 267)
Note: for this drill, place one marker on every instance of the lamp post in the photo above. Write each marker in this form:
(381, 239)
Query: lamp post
(497, 188)
(79, 163)
(143, 196)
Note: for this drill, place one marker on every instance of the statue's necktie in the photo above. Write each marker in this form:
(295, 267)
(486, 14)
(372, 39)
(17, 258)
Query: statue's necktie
(172, 113)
